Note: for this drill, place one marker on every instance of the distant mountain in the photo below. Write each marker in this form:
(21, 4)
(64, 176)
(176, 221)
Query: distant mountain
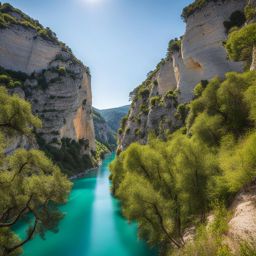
(103, 133)
(113, 116)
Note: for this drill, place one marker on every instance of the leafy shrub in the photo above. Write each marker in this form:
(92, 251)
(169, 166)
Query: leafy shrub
(101, 150)
(144, 109)
(195, 6)
(5, 79)
(182, 112)
(70, 157)
(154, 101)
(61, 70)
(199, 88)
(175, 182)
(174, 46)
(250, 12)
(143, 92)
(124, 121)
(240, 43)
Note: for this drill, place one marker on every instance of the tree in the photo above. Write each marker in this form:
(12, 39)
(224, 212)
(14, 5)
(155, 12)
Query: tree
(241, 42)
(29, 182)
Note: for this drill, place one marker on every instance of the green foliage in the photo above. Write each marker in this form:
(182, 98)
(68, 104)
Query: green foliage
(182, 112)
(7, 19)
(71, 157)
(61, 70)
(123, 122)
(154, 101)
(194, 7)
(143, 92)
(208, 239)
(168, 186)
(248, 248)
(238, 163)
(174, 46)
(240, 43)
(199, 88)
(144, 109)
(208, 129)
(8, 80)
(15, 114)
(101, 150)
(30, 184)
(236, 19)
(250, 12)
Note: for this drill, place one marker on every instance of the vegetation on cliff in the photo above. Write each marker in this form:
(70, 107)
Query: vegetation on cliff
(241, 42)
(72, 157)
(194, 7)
(103, 132)
(7, 18)
(30, 184)
(209, 159)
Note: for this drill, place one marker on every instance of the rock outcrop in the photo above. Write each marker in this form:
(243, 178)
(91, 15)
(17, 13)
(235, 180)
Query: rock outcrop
(22, 50)
(242, 225)
(57, 84)
(200, 56)
(103, 133)
(45, 72)
(202, 51)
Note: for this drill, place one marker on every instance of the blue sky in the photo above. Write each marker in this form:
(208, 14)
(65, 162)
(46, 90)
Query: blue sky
(120, 40)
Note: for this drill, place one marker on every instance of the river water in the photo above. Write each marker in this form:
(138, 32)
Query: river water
(93, 225)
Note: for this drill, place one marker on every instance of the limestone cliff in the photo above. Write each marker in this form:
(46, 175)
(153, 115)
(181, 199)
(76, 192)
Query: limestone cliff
(103, 133)
(56, 83)
(199, 55)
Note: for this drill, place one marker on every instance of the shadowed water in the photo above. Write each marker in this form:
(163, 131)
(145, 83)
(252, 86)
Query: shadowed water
(93, 225)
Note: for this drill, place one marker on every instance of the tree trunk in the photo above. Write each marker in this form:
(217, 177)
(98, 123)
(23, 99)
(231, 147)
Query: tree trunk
(253, 66)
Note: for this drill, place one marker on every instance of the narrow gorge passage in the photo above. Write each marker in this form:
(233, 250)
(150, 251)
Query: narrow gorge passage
(92, 225)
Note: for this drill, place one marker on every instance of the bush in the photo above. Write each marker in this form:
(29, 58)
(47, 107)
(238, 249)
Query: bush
(70, 157)
(240, 43)
(182, 112)
(123, 122)
(174, 46)
(250, 12)
(144, 92)
(5, 79)
(169, 186)
(195, 6)
(199, 88)
(154, 101)
(144, 109)
(61, 70)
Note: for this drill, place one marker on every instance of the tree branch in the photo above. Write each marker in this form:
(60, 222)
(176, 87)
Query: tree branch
(29, 237)
(18, 216)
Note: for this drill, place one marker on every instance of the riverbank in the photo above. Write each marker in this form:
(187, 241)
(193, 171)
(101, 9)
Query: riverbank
(86, 172)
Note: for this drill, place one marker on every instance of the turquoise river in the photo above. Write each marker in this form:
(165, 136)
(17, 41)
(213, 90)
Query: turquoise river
(93, 225)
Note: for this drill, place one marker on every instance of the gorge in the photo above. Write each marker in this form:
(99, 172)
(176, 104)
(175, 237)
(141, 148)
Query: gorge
(182, 180)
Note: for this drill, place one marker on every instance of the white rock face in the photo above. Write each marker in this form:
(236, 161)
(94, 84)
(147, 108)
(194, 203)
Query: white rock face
(64, 101)
(202, 52)
(22, 50)
(253, 66)
(242, 225)
(166, 78)
(202, 57)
